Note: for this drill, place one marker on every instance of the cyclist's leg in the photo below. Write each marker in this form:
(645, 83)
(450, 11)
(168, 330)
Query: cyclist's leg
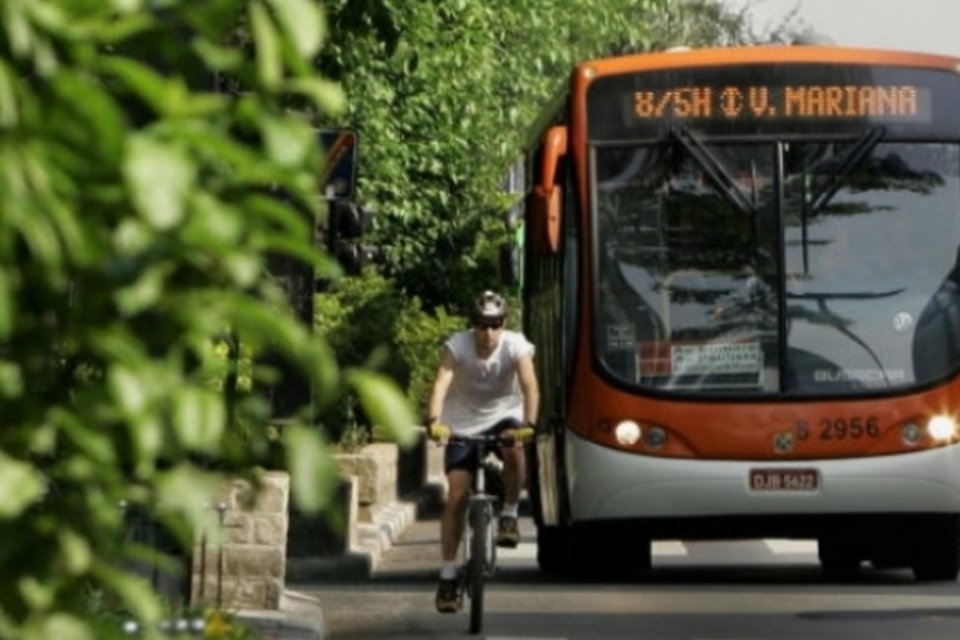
(460, 462)
(514, 476)
(514, 464)
(457, 462)
(454, 511)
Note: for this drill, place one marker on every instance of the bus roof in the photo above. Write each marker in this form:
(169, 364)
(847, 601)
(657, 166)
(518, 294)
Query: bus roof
(727, 56)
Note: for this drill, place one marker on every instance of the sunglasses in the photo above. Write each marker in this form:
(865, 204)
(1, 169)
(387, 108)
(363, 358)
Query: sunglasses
(480, 326)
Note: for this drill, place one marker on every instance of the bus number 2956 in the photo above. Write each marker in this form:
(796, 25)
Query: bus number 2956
(849, 428)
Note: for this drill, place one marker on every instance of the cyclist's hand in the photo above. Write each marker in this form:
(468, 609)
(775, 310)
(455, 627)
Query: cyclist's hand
(526, 433)
(519, 436)
(439, 432)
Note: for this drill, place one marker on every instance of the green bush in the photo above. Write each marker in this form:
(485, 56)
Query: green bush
(419, 335)
(368, 322)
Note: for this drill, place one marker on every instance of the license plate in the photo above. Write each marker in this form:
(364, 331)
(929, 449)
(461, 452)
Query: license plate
(769, 480)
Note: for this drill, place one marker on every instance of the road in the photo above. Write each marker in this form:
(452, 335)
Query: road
(749, 590)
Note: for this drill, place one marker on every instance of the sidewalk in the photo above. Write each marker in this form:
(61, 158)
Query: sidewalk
(374, 539)
(301, 616)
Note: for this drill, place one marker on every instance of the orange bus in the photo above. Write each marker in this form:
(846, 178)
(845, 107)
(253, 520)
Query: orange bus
(741, 273)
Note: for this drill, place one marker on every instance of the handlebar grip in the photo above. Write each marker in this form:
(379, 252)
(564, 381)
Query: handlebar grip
(525, 434)
(439, 431)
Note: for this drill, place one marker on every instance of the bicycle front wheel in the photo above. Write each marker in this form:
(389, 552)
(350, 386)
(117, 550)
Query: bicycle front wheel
(480, 519)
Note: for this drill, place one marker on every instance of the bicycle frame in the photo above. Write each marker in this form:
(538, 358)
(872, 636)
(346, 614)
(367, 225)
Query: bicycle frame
(481, 512)
(479, 547)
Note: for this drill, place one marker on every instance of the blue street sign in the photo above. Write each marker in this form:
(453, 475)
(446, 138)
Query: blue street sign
(339, 174)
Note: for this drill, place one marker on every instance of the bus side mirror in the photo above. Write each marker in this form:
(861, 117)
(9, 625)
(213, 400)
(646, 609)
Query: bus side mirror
(544, 206)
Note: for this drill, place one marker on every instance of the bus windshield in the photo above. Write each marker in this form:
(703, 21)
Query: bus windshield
(795, 267)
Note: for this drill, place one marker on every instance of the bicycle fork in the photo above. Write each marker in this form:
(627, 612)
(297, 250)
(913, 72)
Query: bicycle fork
(481, 533)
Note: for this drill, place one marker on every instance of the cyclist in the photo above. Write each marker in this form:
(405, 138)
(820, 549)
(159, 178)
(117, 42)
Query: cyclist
(485, 383)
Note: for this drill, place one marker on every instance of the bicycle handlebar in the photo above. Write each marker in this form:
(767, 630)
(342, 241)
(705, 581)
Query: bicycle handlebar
(505, 437)
(508, 436)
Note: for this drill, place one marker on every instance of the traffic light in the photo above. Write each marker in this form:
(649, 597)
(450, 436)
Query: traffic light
(347, 225)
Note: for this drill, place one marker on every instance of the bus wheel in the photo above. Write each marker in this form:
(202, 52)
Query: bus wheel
(938, 553)
(890, 559)
(837, 556)
(552, 550)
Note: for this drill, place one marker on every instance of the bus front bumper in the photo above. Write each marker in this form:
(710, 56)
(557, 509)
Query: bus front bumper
(606, 484)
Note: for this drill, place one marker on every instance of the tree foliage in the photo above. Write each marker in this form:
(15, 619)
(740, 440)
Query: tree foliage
(443, 94)
(138, 208)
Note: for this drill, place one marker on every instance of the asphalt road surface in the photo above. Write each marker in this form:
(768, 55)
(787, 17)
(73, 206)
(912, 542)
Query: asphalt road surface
(749, 590)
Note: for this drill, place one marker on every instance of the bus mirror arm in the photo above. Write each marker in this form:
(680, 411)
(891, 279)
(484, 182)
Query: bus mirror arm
(554, 149)
(546, 199)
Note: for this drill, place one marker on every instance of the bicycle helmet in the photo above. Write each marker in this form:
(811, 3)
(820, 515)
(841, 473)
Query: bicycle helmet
(490, 307)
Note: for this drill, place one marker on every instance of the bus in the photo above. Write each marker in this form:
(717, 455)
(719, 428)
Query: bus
(741, 272)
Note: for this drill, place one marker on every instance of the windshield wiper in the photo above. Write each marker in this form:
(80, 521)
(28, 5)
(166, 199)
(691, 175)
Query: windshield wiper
(851, 161)
(715, 170)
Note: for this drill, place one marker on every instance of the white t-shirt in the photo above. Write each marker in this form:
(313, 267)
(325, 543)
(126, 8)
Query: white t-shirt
(484, 392)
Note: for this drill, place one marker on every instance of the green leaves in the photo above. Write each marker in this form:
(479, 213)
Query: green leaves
(303, 23)
(20, 487)
(288, 141)
(142, 213)
(60, 626)
(8, 305)
(269, 62)
(199, 418)
(288, 35)
(312, 468)
(9, 109)
(388, 410)
(165, 95)
(159, 176)
(448, 110)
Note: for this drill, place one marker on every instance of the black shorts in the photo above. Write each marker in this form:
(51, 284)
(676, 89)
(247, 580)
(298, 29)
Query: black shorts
(463, 455)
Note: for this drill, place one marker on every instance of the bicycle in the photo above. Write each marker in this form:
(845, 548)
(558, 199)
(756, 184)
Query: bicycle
(479, 548)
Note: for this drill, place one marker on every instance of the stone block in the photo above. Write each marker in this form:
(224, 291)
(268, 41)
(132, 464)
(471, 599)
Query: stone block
(270, 529)
(376, 469)
(240, 556)
(254, 561)
(274, 493)
(239, 593)
(239, 530)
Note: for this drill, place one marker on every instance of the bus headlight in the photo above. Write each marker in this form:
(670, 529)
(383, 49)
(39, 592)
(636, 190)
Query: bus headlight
(942, 428)
(627, 432)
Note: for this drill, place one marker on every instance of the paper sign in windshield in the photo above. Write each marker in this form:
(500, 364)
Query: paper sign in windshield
(716, 358)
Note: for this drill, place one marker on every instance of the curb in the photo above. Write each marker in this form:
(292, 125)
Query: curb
(382, 533)
(300, 617)
(372, 540)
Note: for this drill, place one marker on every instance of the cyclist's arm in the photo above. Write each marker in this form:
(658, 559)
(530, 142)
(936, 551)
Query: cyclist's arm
(441, 384)
(531, 390)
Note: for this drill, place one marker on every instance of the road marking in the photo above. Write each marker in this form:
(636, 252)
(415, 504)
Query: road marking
(678, 548)
(781, 546)
(523, 551)
(665, 548)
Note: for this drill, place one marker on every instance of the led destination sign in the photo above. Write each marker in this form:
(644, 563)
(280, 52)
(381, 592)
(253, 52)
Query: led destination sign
(900, 102)
(776, 99)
